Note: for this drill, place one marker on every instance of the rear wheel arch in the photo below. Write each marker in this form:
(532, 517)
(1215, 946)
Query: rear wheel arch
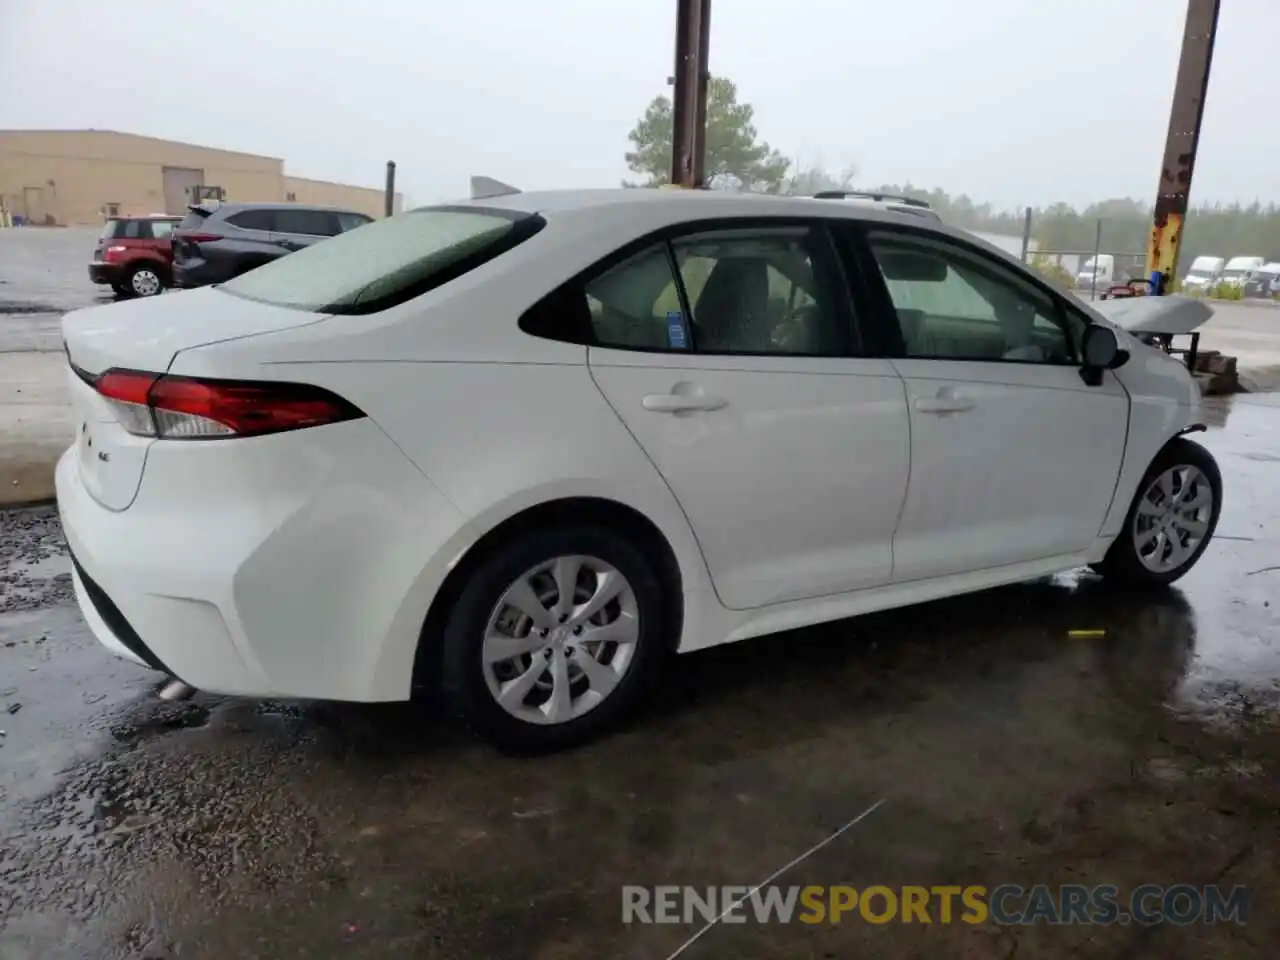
(157, 267)
(638, 528)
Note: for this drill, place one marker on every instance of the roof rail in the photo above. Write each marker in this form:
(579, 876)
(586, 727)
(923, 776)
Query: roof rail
(871, 195)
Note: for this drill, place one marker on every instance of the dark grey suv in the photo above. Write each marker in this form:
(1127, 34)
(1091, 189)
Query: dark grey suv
(216, 242)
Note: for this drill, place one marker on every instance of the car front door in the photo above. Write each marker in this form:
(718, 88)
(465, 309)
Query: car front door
(732, 356)
(1014, 458)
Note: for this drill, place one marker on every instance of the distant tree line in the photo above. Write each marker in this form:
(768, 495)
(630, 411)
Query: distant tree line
(1221, 230)
(737, 159)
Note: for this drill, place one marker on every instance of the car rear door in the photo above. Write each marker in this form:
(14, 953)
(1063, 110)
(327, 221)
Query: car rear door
(732, 357)
(298, 227)
(1014, 458)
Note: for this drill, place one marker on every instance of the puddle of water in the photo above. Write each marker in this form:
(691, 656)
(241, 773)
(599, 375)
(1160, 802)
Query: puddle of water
(1235, 598)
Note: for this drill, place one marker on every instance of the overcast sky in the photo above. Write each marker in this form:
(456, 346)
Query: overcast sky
(1013, 101)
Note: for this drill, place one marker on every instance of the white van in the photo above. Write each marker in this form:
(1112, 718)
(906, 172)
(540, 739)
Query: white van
(1205, 272)
(1238, 269)
(1097, 273)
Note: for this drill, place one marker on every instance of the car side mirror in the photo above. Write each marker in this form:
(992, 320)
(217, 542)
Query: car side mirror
(1101, 351)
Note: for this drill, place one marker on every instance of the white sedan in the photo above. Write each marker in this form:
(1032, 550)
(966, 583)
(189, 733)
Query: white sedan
(517, 448)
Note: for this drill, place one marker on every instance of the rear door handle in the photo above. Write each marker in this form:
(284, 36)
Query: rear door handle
(950, 404)
(679, 403)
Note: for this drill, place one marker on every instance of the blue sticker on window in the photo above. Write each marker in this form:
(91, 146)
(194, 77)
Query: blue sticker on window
(675, 330)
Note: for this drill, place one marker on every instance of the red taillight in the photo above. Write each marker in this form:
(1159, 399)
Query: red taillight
(197, 237)
(189, 408)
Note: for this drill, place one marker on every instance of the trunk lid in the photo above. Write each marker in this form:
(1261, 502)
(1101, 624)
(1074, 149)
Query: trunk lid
(110, 459)
(1168, 314)
(146, 335)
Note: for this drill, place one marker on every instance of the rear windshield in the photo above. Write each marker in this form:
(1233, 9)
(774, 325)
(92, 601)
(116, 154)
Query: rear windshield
(126, 230)
(193, 219)
(386, 262)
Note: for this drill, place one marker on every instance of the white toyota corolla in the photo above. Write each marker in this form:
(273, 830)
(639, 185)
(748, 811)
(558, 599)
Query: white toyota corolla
(520, 447)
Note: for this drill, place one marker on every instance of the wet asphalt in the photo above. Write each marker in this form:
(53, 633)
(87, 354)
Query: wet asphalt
(1004, 751)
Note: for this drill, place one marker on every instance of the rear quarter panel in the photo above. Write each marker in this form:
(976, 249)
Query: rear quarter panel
(498, 420)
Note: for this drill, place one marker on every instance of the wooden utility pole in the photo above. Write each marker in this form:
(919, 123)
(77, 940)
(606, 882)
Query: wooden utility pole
(689, 109)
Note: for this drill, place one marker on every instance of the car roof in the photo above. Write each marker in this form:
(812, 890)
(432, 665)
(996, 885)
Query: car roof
(641, 210)
(680, 204)
(236, 207)
(146, 216)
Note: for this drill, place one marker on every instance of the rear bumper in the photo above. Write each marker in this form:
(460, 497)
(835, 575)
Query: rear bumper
(111, 273)
(199, 273)
(295, 565)
(108, 624)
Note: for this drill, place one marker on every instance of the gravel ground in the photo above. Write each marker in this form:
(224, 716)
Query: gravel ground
(35, 569)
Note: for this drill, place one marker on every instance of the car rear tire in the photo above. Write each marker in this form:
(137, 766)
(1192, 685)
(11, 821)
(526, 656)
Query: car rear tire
(554, 639)
(144, 281)
(1171, 520)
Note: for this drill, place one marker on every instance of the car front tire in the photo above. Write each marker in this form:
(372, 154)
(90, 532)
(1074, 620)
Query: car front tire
(1171, 520)
(555, 638)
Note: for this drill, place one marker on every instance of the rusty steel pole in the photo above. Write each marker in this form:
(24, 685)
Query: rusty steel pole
(689, 111)
(1173, 196)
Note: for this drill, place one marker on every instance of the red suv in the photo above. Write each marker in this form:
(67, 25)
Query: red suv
(134, 255)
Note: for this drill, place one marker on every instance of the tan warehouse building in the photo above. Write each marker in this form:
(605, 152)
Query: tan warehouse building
(69, 177)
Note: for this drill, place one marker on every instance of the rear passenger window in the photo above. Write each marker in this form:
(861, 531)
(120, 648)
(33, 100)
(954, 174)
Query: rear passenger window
(315, 223)
(161, 228)
(349, 221)
(762, 292)
(768, 291)
(636, 304)
(254, 220)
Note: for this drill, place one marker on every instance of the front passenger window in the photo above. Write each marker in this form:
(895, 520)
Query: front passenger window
(953, 304)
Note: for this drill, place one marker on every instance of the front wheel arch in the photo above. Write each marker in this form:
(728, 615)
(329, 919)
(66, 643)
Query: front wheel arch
(1121, 563)
(574, 510)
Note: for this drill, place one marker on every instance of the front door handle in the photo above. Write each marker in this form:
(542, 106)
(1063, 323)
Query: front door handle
(681, 403)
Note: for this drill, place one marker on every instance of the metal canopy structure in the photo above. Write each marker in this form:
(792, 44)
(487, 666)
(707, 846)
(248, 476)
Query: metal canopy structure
(692, 74)
(1173, 194)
